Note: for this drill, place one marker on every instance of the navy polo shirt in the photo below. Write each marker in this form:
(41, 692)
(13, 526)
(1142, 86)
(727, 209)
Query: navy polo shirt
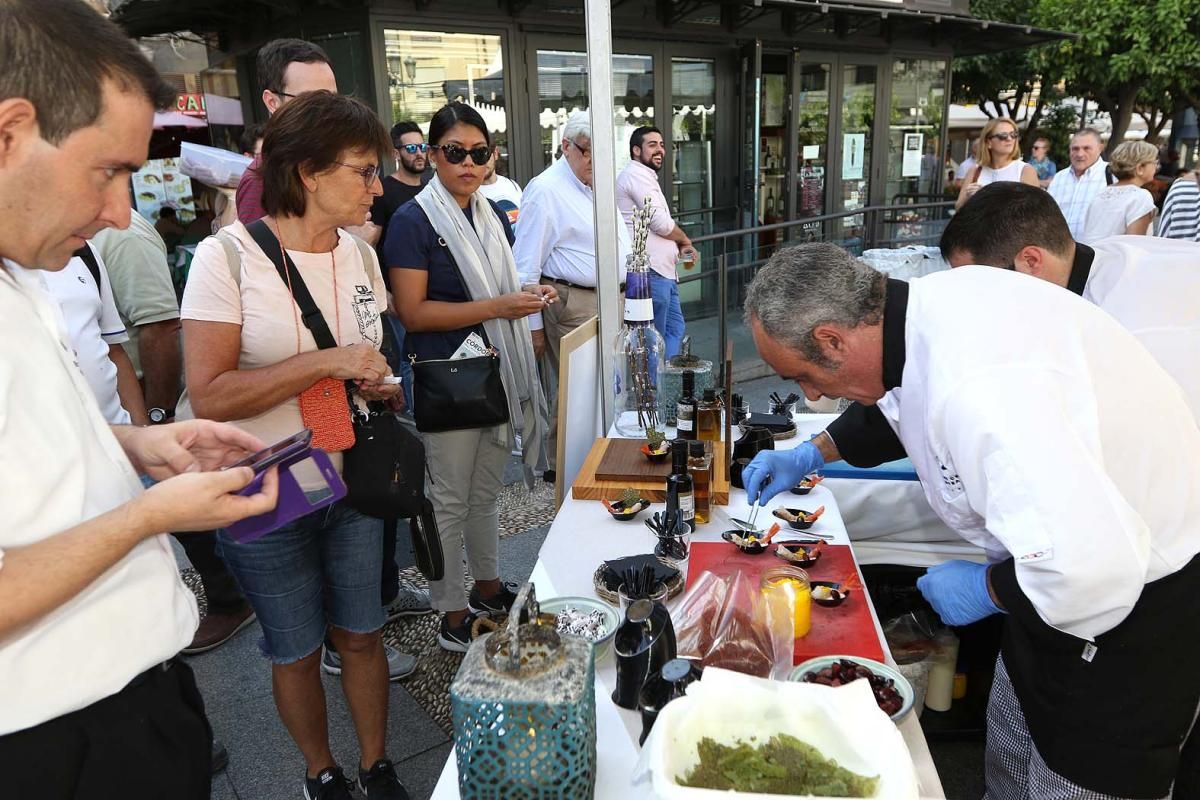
(412, 243)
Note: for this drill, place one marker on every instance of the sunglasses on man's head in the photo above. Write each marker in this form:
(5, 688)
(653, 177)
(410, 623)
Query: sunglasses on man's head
(456, 155)
(414, 148)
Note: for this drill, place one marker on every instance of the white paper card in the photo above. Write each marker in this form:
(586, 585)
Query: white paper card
(472, 347)
(911, 166)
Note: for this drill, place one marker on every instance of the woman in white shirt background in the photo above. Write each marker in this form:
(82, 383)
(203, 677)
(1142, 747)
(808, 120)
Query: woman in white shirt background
(1125, 207)
(998, 153)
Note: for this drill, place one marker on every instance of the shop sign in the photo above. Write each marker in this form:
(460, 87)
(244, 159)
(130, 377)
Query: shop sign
(191, 103)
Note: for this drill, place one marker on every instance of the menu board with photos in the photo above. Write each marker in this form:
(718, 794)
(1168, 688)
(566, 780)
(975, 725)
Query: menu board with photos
(159, 183)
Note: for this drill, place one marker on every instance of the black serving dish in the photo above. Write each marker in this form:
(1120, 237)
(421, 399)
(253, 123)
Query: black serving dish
(753, 441)
(751, 550)
(804, 555)
(656, 457)
(624, 513)
(791, 517)
(836, 597)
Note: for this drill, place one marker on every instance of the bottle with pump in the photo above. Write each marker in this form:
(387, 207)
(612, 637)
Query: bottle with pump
(708, 417)
(685, 410)
(681, 495)
(700, 467)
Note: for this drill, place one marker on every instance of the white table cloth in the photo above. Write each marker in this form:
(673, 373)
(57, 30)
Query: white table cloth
(583, 535)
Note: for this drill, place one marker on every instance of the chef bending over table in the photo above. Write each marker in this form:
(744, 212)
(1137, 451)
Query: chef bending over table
(1043, 432)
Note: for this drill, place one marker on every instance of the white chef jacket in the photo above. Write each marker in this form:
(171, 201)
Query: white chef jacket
(557, 235)
(1152, 287)
(1074, 194)
(62, 466)
(1050, 436)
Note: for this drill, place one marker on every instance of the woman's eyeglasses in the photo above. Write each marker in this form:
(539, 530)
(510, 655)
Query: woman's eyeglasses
(415, 148)
(368, 173)
(456, 155)
(1004, 137)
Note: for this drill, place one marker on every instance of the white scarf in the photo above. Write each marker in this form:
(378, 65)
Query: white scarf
(485, 261)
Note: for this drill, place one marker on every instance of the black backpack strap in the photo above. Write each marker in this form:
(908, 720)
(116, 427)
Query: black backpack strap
(313, 319)
(89, 258)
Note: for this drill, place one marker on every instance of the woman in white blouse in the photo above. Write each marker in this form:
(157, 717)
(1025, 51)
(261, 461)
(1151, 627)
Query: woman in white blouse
(1125, 207)
(998, 153)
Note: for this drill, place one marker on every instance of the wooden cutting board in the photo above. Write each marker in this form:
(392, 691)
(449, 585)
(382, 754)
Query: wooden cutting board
(590, 485)
(624, 461)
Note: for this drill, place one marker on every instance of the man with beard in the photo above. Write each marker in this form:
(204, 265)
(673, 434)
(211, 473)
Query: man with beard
(412, 157)
(667, 241)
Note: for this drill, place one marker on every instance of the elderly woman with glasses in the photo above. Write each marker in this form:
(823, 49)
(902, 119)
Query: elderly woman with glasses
(252, 358)
(1125, 208)
(998, 158)
(455, 282)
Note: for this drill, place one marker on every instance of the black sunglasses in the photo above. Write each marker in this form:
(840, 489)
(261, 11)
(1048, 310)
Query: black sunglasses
(455, 154)
(414, 148)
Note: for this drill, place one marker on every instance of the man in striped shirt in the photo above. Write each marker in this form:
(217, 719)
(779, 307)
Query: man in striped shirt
(1181, 210)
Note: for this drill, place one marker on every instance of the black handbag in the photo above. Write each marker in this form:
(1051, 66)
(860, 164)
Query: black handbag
(427, 543)
(384, 471)
(458, 394)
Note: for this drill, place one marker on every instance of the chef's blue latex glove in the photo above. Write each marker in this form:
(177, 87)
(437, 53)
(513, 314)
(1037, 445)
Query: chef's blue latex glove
(958, 592)
(775, 471)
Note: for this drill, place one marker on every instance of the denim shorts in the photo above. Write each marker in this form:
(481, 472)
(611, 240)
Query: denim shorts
(320, 570)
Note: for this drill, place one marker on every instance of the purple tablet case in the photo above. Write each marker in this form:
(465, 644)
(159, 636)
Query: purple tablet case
(293, 503)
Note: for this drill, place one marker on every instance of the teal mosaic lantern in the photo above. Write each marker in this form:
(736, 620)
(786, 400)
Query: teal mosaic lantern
(524, 710)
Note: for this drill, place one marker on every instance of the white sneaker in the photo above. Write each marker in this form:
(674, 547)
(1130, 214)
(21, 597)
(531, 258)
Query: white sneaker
(400, 665)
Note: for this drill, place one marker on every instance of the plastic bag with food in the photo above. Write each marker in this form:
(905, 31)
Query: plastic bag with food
(729, 622)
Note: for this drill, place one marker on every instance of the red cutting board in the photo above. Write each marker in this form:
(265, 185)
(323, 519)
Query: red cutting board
(847, 629)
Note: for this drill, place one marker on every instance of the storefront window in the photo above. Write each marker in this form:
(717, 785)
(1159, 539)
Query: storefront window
(858, 119)
(693, 136)
(563, 88)
(811, 145)
(427, 69)
(915, 148)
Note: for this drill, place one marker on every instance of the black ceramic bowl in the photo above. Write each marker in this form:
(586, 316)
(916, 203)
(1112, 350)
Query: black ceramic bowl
(735, 472)
(751, 550)
(805, 556)
(656, 458)
(625, 513)
(797, 524)
(801, 489)
(836, 597)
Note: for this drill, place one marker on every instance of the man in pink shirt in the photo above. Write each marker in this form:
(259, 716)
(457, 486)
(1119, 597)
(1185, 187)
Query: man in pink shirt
(667, 241)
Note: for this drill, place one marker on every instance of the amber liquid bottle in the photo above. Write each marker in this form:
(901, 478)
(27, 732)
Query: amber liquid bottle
(708, 417)
(700, 467)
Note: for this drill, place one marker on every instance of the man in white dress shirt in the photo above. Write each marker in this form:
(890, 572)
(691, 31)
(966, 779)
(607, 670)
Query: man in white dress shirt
(666, 241)
(1150, 285)
(1043, 432)
(92, 609)
(556, 245)
(1074, 188)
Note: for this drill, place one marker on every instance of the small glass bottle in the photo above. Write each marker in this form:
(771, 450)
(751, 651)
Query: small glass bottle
(681, 496)
(708, 417)
(700, 467)
(685, 409)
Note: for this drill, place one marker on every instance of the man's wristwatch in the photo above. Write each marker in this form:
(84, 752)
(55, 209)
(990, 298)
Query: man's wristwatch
(158, 416)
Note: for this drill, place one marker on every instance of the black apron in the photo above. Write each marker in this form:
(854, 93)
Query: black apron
(1114, 725)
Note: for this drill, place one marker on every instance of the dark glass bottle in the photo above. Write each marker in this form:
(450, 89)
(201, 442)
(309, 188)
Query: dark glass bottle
(685, 409)
(680, 487)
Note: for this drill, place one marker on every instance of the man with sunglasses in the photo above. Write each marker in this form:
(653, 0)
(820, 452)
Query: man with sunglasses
(1041, 161)
(411, 175)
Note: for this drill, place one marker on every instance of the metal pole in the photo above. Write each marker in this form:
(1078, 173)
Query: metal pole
(604, 178)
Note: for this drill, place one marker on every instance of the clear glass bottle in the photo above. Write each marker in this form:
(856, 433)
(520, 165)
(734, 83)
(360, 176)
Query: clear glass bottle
(700, 468)
(708, 417)
(639, 353)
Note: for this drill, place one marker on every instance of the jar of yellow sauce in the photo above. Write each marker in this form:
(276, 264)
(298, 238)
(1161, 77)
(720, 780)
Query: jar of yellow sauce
(795, 582)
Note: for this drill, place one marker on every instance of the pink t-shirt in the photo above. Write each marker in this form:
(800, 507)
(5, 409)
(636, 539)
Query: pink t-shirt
(635, 183)
(270, 320)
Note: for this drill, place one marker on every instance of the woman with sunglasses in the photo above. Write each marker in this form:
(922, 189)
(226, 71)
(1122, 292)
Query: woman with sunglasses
(449, 252)
(249, 357)
(998, 158)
